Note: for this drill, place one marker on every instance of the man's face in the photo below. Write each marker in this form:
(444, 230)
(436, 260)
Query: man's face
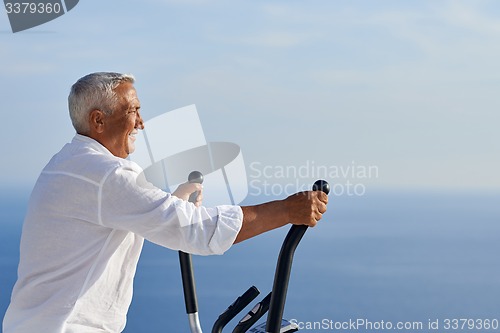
(121, 126)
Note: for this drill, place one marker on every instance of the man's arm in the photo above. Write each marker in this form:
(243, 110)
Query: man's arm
(300, 208)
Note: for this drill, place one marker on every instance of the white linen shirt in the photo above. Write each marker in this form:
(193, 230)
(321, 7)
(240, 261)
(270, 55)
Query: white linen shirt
(88, 215)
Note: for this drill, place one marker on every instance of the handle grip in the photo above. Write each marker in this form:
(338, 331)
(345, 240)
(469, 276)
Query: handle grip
(195, 177)
(235, 308)
(253, 315)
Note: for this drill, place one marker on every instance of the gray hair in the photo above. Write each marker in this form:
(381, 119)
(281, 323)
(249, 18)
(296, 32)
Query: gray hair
(91, 92)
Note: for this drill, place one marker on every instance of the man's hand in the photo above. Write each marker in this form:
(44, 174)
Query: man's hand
(184, 191)
(306, 207)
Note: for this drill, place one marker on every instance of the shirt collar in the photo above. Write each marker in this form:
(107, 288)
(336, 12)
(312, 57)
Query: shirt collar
(91, 142)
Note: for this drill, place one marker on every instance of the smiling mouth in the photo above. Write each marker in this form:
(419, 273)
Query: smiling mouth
(132, 135)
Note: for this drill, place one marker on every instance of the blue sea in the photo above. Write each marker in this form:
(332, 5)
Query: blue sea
(387, 257)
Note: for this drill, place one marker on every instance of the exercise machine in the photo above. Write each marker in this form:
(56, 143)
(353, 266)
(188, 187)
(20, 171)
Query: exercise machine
(273, 303)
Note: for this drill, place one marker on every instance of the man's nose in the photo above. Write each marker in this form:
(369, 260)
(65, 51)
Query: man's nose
(139, 123)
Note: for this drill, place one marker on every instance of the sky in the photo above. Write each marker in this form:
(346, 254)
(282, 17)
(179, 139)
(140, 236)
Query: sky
(407, 88)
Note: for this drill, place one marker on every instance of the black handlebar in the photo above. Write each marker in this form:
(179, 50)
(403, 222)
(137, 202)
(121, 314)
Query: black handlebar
(188, 284)
(284, 267)
(187, 272)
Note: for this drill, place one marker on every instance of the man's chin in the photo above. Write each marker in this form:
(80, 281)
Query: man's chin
(131, 148)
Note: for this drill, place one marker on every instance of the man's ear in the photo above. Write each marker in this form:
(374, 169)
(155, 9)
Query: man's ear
(96, 119)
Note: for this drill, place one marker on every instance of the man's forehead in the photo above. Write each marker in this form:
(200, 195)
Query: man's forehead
(127, 90)
(124, 87)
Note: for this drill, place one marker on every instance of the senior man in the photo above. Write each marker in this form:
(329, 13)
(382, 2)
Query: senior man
(91, 210)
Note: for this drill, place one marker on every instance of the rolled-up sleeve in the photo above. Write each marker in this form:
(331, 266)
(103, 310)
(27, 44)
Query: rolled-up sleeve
(228, 226)
(127, 201)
